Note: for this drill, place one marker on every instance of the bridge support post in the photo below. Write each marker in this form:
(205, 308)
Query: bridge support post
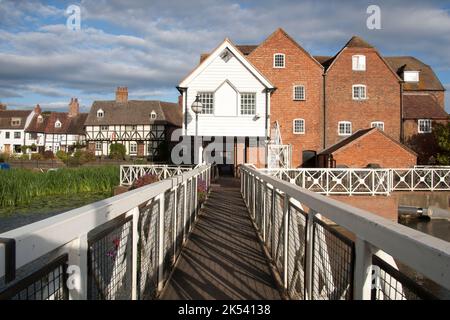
(134, 262)
(78, 257)
(309, 254)
(363, 270)
(184, 210)
(286, 239)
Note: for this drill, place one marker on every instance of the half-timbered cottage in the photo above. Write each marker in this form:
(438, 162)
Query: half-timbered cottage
(144, 127)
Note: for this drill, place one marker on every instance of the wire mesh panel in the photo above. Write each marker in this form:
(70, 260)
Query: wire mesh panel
(269, 218)
(47, 283)
(391, 284)
(180, 211)
(169, 214)
(188, 206)
(109, 262)
(333, 263)
(148, 249)
(278, 232)
(297, 252)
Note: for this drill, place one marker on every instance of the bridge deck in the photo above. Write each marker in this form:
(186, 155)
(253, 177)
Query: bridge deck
(222, 258)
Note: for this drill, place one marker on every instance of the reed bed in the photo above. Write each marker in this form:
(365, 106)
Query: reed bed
(21, 186)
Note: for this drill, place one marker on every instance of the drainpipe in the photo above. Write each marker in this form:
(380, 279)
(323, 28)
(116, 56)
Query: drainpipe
(402, 136)
(324, 122)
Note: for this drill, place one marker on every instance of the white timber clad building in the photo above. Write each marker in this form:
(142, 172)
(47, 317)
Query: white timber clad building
(12, 129)
(235, 98)
(144, 127)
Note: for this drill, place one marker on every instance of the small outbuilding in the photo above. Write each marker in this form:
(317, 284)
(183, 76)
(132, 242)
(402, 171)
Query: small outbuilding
(367, 148)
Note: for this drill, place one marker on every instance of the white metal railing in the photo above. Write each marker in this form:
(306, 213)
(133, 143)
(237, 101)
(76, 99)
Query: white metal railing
(122, 247)
(366, 181)
(130, 173)
(315, 261)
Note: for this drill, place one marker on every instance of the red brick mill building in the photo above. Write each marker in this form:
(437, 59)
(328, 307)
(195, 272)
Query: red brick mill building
(317, 101)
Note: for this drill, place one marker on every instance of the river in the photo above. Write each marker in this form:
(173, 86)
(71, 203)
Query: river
(45, 207)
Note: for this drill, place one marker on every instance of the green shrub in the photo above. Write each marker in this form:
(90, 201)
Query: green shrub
(144, 180)
(62, 155)
(117, 151)
(4, 157)
(82, 157)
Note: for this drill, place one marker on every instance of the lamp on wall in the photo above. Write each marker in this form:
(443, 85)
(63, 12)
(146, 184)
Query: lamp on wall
(197, 108)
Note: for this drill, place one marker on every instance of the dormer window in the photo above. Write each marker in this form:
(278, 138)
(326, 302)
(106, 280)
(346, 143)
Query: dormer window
(40, 119)
(58, 124)
(278, 60)
(411, 76)
(359, 62)
(15, 122)
(100, 113)
(153, 115)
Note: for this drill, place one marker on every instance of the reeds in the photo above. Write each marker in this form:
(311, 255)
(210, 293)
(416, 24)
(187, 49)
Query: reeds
(20, 186)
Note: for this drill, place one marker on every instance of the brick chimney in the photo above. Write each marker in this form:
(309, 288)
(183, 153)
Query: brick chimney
(74, 107)
(121, 94)
(2, 107)
(37, 109)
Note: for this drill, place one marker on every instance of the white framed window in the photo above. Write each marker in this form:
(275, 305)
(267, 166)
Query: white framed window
(298, 126)
(58, 124)
(153, 115)
(17, 135)
(40, 119)
(377, 124)
(207, 100)
(424, 126)
(344, 128)
(248, 103)
(103, 128)
(299, 93)
(278, 60)
(98, 146)
(133, 147)
(359, 92)
(100, 113)
(359, 62)
(411, 76)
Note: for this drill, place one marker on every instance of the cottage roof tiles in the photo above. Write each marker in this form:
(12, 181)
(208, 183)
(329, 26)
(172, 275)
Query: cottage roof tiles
(6, 117)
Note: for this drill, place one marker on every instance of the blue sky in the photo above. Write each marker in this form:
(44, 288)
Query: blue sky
(150, 46)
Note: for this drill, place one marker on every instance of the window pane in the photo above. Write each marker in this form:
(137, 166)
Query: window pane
(278, 61)
(248, 103)
(299, 93)
(299, 126)
(207, 99)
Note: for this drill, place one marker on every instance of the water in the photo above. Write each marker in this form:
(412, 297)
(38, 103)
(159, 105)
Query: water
(45, 207)
(439, 229)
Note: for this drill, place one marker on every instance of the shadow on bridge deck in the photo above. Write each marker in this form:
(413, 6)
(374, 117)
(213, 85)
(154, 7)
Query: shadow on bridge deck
(222, 258)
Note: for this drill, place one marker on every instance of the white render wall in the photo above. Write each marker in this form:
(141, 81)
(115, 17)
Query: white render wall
(226, 120)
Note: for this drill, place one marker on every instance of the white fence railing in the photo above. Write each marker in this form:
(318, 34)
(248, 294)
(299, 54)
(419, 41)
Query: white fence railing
(122, 247)
(348, 259)
(366, 181)
(130, 173)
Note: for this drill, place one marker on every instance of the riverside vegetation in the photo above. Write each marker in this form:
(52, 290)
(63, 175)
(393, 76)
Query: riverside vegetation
(19, 187)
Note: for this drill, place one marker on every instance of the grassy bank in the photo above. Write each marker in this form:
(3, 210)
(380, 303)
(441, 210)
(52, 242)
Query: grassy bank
(19, 187)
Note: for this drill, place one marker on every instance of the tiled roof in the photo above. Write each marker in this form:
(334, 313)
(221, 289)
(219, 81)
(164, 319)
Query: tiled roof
(360, 134)
(69, 125)
(7, 115)
(134, 112)
(422, 106)
(427, 78)
(357, 42)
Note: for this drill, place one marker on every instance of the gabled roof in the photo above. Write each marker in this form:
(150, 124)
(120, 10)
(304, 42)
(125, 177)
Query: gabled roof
(69, 125)
(280, 30)
(135, 112)
(226, 44)
(7, 115)
(357, 42)
(360, 134)
(422, 106)
(427, 78)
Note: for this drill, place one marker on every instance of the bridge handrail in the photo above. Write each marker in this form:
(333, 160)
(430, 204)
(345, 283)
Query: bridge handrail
(426, 254)
(130, 173)
(67, 233)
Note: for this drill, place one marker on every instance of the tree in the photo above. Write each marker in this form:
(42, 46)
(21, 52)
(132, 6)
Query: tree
(117, 151)
(442, 135)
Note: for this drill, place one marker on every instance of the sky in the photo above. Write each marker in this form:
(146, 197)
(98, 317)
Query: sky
(149, 46)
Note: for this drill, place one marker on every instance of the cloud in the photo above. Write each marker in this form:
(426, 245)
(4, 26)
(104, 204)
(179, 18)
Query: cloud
(150, 46)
